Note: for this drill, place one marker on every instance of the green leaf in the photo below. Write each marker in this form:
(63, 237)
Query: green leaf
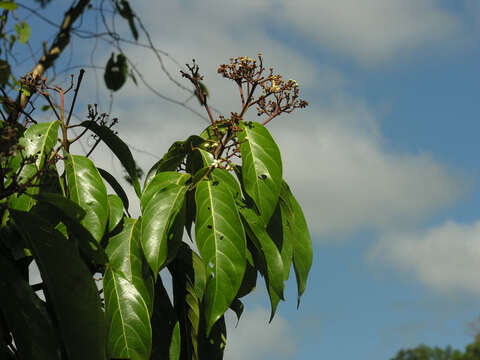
(257, 232)
(126, 257)
(158, 216)
(118, 147)
(8, 5)
(268, 259)
(115, 212)
(227, 178)
(220, 238)
(115, 186)
(249, 279)
(69, 287)
(163, 323)
(88, 190)
(174, 156)
(161, 181)
(212, 348)
(23, 32)
(302, 246)
(26, 316)
(282, 230)
(130, 332)
(38, 141)
(116, 72)
(261, 167)
(175, 345)
(237, 307)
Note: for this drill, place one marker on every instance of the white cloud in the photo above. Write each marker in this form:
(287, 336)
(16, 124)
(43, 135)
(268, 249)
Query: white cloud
(444, 257)
(372, 31)
(334, 154)
(346, 180)
(255, 338)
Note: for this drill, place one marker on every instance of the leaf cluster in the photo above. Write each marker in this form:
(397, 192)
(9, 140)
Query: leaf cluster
(223, 187)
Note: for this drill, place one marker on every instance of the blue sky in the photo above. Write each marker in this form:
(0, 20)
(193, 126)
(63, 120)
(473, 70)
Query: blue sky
(384, 161)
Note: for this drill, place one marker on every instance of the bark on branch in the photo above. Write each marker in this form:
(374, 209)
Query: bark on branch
(59, 44)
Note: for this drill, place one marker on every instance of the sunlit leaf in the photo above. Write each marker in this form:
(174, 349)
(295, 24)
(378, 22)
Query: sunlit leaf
(8, 5)
(128, 319)
(115, 212)
(220, 238)
(23, 32)
(161, 181)
(158, 216)
(261, 167)
(88, 190)
(126, 257)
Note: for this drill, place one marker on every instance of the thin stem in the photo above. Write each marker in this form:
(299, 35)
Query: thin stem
(79, 81)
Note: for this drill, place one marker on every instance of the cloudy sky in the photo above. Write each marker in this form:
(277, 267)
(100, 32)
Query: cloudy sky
(384, 160)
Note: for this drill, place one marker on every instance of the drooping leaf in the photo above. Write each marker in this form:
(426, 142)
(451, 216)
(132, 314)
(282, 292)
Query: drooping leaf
(261, 167)
(302, 245)
(116, 72)
(220, 238)
(115, 186)
(282, 230)
(115, 212)
(237, 307)
(249, 280)
(88, 190)
(128, 319)
(118, 147)
(8, 5)
(126, 257)
(161, 181)
(163, 323)
(69, 285)
(26, 316)
(158, 216)
(257, 232)
(23, 32)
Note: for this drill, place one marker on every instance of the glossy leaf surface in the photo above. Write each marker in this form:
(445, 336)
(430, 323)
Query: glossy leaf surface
(71, 289)
(126, 257)
(220, 239)
(261, 167)
(115, 213)
(161, 181)
(158, 216)
(130, 332)
(88, 190)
